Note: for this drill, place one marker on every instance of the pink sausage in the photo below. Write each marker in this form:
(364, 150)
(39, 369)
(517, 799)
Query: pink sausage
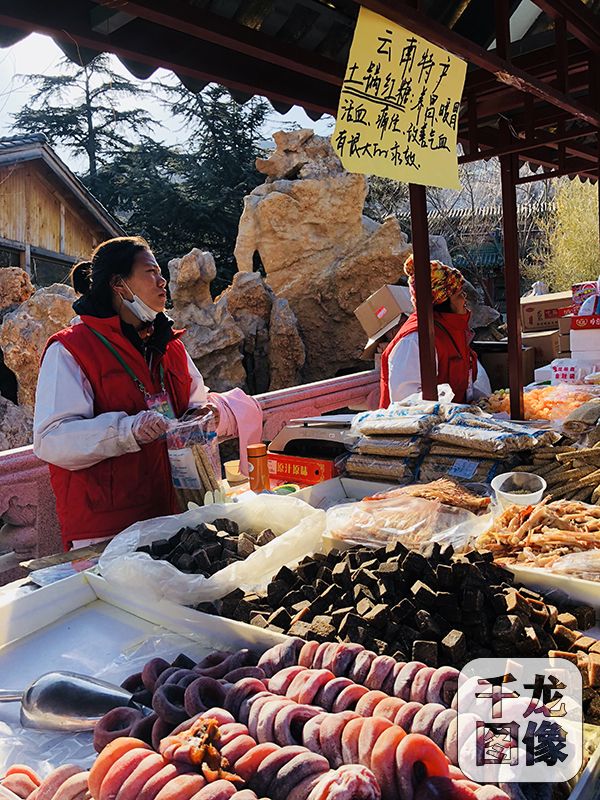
(405, 678)
(330, 692)
(331, 736)
(247, 765)
(311, 737)
(420, 684)
(230, 731)
(311, 688)
(291, 721)
(307, 654)
(370, 732)
(389, 708)
(257, 704)
(266, 719)
(406, 715)
(380, 669)
(348, 698)
(444, 681)
(425, 717)
(350, 741)
(362, 664)
(237, 748)
(439, 729)
(219, 790)
(369, 702)
(280, 682)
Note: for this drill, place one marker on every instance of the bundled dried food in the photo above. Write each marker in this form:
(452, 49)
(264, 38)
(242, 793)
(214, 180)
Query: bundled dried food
(390, 469)
(537, 536)
(446, 491)
(469, 467)
(397, 419)
(481, 439)
(396, 447)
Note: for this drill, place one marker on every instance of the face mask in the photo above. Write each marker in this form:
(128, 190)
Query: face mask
(139, 308)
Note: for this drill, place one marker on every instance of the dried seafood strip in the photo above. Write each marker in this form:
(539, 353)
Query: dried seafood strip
(538, 535)
(401, 447)
(379, 467)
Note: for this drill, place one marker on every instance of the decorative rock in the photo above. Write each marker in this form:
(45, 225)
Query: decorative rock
(319, 251)
(287, 353)
(16, 425)
(15, 287)
(25, 331)
(212, 336)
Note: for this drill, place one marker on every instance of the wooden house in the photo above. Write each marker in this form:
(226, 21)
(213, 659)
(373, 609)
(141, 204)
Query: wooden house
(48, 219)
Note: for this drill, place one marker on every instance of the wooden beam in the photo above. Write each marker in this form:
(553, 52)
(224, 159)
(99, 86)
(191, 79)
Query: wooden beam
(523, 146)
(424, 306)
(570, 168)
(579, 20)
(227, 33)
(507, 73)
(61, 235)
(150, 44)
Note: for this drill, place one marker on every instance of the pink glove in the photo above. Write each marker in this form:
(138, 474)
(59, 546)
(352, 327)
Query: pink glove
(148, 426)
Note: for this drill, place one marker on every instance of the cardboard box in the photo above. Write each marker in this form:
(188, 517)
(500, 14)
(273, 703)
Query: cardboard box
(300, 470)
(542, 312)
(564, 324)
(383, 309)
(494, 359)
(581, 292)
(564, 342)
(546, 345)
(585, 340)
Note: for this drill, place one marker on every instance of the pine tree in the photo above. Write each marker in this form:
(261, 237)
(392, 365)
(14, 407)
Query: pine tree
(83, 109)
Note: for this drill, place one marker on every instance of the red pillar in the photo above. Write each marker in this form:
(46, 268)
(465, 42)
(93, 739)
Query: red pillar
(424, 309)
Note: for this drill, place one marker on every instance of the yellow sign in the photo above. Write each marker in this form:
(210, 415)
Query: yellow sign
(399, 106)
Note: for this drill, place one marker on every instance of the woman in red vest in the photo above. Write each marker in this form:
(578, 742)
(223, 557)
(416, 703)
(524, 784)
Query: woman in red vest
(455, 360)
(103, 384)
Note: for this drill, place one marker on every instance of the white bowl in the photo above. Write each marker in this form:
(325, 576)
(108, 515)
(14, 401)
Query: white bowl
(507, 481)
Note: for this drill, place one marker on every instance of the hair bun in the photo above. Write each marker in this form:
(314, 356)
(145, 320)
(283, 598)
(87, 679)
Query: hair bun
(81, 277)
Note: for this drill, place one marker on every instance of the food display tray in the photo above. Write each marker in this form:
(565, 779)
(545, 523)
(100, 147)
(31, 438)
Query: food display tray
(83, 623)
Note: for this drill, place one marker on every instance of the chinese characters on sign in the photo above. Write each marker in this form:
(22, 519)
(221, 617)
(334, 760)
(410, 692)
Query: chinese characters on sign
(522, 721)
(399, 106)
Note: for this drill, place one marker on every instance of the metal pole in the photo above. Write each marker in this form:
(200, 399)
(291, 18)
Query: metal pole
(424, 309)
(508, 171)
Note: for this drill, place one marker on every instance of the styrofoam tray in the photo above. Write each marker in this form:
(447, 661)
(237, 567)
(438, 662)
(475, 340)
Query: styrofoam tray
(83, 624)
(579, 590)
(341, 490)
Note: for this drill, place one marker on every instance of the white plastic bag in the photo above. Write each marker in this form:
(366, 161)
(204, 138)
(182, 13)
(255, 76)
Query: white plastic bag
(414, 521)
(299, 529)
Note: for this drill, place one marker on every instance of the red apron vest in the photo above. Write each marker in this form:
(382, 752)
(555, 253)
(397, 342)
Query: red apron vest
(106, 498)
(457, 362)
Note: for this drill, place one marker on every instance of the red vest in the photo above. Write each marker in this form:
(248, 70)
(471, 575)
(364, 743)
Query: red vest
(457, 363)
(106, 498)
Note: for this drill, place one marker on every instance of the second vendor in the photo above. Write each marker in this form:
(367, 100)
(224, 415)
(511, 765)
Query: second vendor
(456, 362)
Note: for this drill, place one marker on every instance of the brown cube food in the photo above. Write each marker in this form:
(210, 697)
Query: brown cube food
(530, 644)
(583, 665)
(595, 648)
(378, 616)
(565, 637)
(264, 537)
(259, 620)
(454, 646)
(321, 628)
(572, 657)
(424, 596)
(538, 611)
(568, 620)
(425, 651)
(584, 643)
(593, 710)
(553, 615)
(585, 616)
(363, 606)
(300, 629)
(594, 669)
(516, 603)
(509, 627)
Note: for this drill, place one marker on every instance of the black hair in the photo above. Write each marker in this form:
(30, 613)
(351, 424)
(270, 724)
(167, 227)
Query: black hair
(444, 308)
(92, 278)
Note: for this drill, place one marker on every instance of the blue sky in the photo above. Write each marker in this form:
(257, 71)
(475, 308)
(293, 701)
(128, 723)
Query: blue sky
(39, 54)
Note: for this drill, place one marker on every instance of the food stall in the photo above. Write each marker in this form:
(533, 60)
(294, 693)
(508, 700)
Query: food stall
(270, 648)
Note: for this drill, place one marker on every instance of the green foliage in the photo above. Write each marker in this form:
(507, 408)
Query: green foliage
(570, 250)
(82, 109)
(182, 198)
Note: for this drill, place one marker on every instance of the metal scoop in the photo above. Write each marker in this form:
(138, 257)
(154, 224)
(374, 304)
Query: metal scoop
(66, 701)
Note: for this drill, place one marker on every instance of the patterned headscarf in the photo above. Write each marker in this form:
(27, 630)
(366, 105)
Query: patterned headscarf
(445, 281)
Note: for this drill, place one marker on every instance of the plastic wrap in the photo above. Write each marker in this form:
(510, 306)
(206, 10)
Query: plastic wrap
(193, 448)
(390, 469)
(396, 447)
(395, 420)
(481, 439)
(479, 470)
(412, 520)
(298, 526)
(584, 565)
